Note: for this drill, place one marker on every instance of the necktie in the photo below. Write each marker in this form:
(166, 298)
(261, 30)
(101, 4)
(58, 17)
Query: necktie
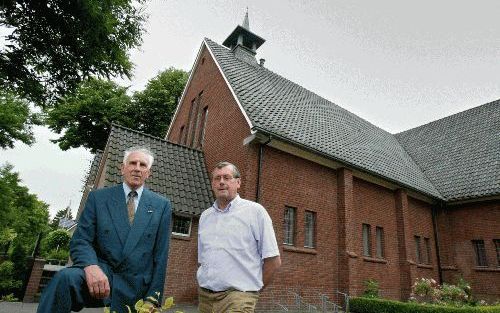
(131, 206)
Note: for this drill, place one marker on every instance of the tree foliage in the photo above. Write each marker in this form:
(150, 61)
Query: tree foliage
(54, 224)
(155, 106)
(86, 116)
(16, 120)
(21, 211)
(53, 45)
(57, 240)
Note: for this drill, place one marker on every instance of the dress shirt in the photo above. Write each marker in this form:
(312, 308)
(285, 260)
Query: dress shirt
(232, 244)
(139, 190)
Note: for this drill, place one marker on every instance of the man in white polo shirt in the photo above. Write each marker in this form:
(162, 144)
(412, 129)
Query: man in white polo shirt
(237, 249)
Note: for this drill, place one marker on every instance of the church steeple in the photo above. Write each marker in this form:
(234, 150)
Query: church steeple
(242, 37)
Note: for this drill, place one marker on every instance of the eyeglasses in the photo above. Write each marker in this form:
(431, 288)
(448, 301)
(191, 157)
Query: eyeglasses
(223, 177)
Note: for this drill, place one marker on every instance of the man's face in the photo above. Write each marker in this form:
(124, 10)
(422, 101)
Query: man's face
(224, 185)
(135, 170)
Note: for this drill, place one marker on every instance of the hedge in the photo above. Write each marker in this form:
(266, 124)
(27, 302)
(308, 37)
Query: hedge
(366, 305)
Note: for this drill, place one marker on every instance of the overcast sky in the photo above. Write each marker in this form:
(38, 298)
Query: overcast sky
(398, 64)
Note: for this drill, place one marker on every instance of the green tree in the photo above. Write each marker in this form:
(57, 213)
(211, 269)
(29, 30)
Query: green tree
(155, 106)
(59, 215)
(57, 240)
(85, 116)
(20, 211)
(16, 120)
(53, 45)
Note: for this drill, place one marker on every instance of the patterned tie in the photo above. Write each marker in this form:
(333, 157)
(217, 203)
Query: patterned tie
(131, 206)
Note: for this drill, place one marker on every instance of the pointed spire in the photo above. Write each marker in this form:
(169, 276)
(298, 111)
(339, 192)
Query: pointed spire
(246, 22)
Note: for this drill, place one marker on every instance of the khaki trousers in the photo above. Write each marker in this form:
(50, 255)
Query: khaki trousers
(229, 301)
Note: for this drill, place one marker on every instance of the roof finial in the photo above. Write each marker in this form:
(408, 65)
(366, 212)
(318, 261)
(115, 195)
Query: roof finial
(246, 23)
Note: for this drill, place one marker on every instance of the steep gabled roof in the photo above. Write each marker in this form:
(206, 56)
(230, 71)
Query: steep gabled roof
(278, 106)
(460, 153)
(178, 172)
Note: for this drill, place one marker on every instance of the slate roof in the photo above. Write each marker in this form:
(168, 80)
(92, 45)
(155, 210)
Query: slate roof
(280, 107)
(459, 153)
(178, 172)
(94, 168)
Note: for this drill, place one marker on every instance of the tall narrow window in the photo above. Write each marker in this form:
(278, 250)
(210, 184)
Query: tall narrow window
(203, 124)
(181, 135)
(289, 226)
(480, 252)
(379, 231)
(189, 125)
(418, 250)
(367, 245)
(428, 256)
(497, 247)
(195, 120)
(310, 229)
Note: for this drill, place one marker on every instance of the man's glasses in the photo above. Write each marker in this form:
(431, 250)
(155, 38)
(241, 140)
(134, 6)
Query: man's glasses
(222, 177)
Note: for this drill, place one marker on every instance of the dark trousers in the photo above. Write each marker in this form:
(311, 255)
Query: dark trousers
(66, 292)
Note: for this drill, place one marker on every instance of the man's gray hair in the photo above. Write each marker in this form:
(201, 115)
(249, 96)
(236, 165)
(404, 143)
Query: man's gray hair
(142, 149)
(236, 171)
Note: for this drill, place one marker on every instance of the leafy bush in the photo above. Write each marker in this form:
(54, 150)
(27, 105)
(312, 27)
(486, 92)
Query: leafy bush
(9, 298)
(61, 255)
(56, 240)
(367, 305)
(7, 280)
(371, 288)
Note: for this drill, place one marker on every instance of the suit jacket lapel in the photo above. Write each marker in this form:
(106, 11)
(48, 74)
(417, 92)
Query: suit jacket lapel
(141, 220)
(117, 207)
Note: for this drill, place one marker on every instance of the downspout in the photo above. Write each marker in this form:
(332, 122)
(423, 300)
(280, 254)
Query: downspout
(436, 239)
(259, 170)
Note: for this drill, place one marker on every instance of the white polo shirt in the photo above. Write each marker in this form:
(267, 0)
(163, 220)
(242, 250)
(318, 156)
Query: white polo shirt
(232, 245)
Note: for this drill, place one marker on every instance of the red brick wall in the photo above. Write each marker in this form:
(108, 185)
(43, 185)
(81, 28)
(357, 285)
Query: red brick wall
(375, 205)
(226, 127)
(461, 224)
(182, 265)
(291, 181)
(34, 280)
(421, 225)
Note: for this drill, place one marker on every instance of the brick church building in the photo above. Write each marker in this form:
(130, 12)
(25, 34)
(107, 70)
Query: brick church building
(349, 201)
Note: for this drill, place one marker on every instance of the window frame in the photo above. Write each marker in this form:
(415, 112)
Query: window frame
(289, 228)
(379, 242)
(203, 124)
(313, 232)
(367, 241)
(428, 250)
(480, 252)
(496, 242)
(175, 217)
(418, 249)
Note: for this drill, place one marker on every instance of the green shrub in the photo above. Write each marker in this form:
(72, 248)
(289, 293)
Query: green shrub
(61, 255)
(371, 288)
(7, 280)
(56, 240)
(367, 305)
(9, 298)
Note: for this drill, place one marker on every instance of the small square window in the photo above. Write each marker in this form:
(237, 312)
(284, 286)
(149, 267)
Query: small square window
(181, 225)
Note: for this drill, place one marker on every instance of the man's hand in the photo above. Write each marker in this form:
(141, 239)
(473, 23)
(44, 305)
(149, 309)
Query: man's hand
(97, 282)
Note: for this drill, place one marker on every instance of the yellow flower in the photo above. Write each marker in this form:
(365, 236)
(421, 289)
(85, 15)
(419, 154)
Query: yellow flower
(169, 302)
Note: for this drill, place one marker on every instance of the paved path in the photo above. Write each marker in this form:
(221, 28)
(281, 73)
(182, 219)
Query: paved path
(19, 307)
